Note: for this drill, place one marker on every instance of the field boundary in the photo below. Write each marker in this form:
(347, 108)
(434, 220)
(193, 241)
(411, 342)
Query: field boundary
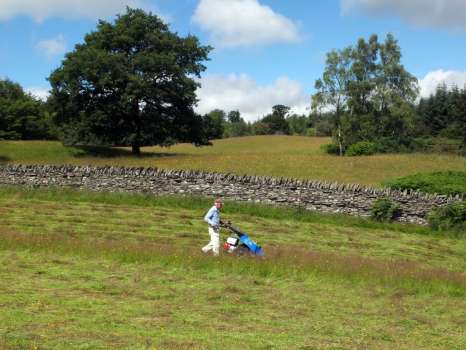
(328, 197)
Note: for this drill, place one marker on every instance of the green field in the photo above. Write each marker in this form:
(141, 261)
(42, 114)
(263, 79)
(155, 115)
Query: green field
(280, 156)
(116, 271)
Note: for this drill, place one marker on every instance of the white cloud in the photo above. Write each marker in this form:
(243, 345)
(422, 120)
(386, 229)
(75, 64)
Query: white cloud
(236, 23)
(241, 92)
(42, 9)
(449, 14)
(39, 92)
(52, 47)
(429, 83)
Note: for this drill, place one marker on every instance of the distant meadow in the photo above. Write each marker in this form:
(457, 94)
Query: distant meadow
(279, 156)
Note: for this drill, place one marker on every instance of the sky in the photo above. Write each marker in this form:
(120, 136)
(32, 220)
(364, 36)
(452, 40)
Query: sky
(266, 52)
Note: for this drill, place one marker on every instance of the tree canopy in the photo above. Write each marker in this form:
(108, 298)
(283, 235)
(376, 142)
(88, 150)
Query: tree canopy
(21, 115)
(371, 93)
(131, 83)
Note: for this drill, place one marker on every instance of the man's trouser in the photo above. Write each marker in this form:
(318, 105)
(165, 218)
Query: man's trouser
(214, 243)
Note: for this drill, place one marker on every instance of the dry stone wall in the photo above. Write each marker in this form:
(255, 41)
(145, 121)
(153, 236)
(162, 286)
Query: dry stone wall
(312, 195)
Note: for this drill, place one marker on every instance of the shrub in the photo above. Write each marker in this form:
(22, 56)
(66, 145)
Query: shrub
(385, 210)
(330, 148)
(362, 148)
(311, 132)
(443, 182)
(450, 217)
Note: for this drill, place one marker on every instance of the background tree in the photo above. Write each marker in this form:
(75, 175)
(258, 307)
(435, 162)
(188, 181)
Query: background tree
(130, 83)
(234, 116)
(215, 124)
(236, 126)
(21, 115)
(298, 124)
(276, 121)
(371, 94)
(443, 114)
(260, 128)
(332, 89)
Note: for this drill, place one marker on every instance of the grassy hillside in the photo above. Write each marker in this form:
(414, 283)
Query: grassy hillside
(98, 271)
(287, 156)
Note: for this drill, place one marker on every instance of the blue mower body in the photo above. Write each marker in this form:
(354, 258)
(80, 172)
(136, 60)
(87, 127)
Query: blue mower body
(241, 244)
(253, 246)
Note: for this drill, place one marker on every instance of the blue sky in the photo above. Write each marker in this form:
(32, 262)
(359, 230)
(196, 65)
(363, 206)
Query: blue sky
(266, 51)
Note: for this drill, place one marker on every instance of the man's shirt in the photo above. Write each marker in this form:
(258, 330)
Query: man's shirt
(213, 216)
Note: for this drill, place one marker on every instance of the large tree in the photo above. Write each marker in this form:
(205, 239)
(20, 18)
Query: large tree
(370, 93)
(131, 83)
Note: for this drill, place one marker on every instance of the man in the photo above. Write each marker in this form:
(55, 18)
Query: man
(213, 219)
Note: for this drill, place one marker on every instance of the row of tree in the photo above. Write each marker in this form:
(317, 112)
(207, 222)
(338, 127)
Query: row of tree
(223, 125)
(25, 117)
(443, 114)
(371, 99)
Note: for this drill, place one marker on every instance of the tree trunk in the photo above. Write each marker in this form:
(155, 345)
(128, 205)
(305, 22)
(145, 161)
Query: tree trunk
(136, 149)
(339, 130)
(136, 145)
(339, 141)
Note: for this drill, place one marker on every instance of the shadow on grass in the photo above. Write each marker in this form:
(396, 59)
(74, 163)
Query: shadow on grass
(114, 152)
(4, 159)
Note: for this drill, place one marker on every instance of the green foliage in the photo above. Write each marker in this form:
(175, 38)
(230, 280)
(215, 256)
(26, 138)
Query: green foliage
(323, 123)
(370, 94)
(130, 82)
(362, 148)
(311, 132)
(384, 210)
(236, 126)
(443, 114)
(298, 124)
(234, 117)
(449, 217)
(21, 115)
(330, 148)
(274, 123)
(214, 124)
(444, 182)
(261, 128)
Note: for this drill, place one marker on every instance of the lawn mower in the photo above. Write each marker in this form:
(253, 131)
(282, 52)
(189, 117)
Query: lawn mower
(239, 243)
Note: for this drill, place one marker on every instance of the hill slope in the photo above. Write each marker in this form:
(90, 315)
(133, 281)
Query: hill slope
(103, 271)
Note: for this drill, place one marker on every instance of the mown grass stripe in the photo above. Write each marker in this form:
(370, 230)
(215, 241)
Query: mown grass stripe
(279, 262)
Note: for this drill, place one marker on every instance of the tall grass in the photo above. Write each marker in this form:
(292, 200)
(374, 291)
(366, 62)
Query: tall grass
(280, 156)
(278, 263)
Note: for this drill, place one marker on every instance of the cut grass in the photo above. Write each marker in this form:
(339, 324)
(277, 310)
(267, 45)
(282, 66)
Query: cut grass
(279, 156)
(96, 271)
(67, 302)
